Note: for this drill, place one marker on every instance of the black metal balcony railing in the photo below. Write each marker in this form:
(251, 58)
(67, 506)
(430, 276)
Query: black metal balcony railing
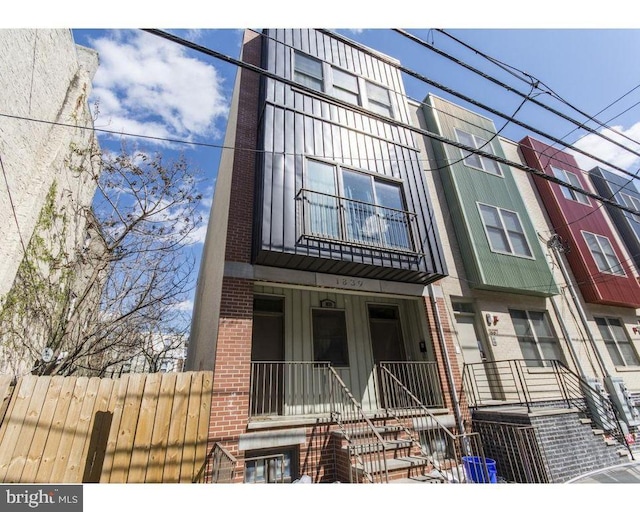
(335, 218)
(420, 377)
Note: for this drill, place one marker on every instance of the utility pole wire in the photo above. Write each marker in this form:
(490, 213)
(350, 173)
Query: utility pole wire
(425, 133)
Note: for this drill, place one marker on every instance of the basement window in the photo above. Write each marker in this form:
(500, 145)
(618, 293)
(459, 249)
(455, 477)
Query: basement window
(271, 466)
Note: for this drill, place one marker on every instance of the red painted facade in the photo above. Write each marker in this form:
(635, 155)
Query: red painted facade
(571, 218)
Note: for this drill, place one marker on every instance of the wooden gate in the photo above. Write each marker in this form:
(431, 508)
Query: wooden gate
(138, 428)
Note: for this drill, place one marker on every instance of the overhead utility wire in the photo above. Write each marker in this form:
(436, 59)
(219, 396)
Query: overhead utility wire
(425, 133)
(476, 103)
(551, 92)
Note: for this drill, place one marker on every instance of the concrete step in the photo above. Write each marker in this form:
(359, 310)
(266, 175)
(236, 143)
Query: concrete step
(419, 479)
(585, 421)
(400, 463)
(597, 431)
(391, 445)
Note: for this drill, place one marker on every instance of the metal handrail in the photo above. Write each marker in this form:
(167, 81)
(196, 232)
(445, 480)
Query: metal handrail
(535, 383)
(404, 406)
(219, 467)
(421, 378)
(381, 227)
(368, 455)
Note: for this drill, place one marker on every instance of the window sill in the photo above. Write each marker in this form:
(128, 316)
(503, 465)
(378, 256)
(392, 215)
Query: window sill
(627, 368)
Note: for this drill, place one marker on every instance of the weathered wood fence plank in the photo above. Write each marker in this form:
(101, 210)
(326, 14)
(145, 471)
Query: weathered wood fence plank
(139, 428)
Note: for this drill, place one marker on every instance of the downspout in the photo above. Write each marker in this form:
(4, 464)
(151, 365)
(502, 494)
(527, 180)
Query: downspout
(556, 245)
(447, 361)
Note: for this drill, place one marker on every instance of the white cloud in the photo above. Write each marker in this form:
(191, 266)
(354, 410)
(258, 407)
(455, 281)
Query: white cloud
(608, 151)
(150, 86)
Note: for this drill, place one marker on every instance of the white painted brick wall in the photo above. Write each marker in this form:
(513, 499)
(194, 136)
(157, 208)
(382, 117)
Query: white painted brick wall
(44, 76)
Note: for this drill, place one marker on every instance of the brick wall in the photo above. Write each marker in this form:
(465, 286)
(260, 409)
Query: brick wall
(569, 448)
(230, 397)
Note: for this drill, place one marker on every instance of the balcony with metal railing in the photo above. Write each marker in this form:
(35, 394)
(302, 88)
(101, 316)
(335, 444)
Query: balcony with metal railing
(332, 218)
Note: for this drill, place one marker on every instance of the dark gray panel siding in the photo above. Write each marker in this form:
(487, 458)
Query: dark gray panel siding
(297, 125)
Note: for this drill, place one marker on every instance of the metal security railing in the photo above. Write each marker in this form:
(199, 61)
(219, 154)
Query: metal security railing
(516, 447)
(281, 388)
(442, 446)
(331, 217)
(219, 467)
(530, 384)
(366, 447)
(419, 377)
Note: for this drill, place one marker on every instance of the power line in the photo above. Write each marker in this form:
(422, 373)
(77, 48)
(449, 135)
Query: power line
(426, 133)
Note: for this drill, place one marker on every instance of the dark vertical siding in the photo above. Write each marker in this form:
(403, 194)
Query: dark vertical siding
(298, 125)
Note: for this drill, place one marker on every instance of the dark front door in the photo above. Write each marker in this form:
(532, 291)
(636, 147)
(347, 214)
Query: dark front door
(387, 346)
(267, 352)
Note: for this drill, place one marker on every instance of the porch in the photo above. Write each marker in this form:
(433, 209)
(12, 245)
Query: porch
(312, 389)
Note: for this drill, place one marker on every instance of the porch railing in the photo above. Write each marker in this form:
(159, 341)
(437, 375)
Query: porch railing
(443, 447)
(281, 388)
(218, 468)
(365, 446)
(419, 377)
(532, 384)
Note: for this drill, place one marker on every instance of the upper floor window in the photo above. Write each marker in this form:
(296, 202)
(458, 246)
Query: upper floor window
(379, 100)
(355, 207)
(308, 71)
(618, 345)
(504, 231)
(345, 86)
(631, 202)
(536, 338)
(475, 160)
(571, 178)
(341, 84)
(603, 254)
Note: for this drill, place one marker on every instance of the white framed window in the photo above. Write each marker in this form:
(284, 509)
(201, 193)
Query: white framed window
(631, 202)
(504, 231)
(536, 338)
(571, 178)
(615, 338)
(473, 159)
(603, 254)
(308, 71)
(344, 85)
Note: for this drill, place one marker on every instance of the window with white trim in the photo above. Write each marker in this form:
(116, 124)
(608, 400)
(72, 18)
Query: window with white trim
(618, 345)
(572, 179)
(536, 338)
(341, 84)
(473, 159)
(631, 202)
(504, 231)
(603, 254)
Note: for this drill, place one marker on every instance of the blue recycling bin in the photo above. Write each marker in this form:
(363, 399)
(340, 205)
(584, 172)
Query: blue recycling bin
(473, 468)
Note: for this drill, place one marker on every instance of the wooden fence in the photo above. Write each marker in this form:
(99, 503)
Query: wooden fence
(138, 428)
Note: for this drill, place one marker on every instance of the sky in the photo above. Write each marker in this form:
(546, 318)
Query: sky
(148, 86)
(151, 87)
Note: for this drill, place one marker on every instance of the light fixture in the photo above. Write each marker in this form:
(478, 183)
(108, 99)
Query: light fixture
(491, 319)
(635, 330)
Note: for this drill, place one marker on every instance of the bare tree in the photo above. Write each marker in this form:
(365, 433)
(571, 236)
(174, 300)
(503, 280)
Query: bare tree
(87, 308)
